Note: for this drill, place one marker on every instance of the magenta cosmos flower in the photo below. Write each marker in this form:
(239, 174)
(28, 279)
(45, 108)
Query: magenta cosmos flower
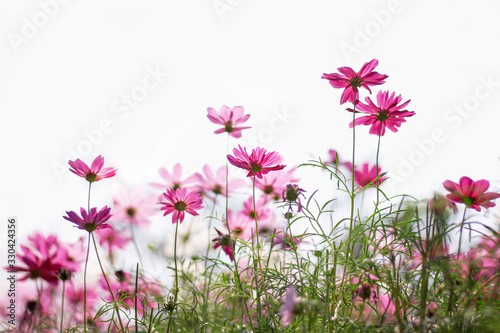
(258, 163)
(225, 242)
(38, 265)
(180, 202)
(351, 80)
(472, 194)
(366, 174)
(91, 221)
(229, 118)
(387, 114)
(94, 173)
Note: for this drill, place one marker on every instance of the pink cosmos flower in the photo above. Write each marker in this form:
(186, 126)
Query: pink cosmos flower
(112, 239)
(258, 163)
(289, 306)
(95, 172)
(387, 114)
(239, 224)
(366, 174)
(38, 265)
(472, 194)
(274, 183)
(333, 156)
(260, 212)
(179, 202)
(229, 119)
(123, 286)
(216, 183)
(69, 256)
(90, 221)
(351, 80)
(47, 255)
(174, 180)
(134, 207)
(224, 241)
(74, 296)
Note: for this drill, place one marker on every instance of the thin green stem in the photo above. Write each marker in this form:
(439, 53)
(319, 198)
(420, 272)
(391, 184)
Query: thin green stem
(107, 283)
(352, 194)
(207, 284)
(88, 200)
(135, 294)
(233, 244)
(460, 237)
(132, 233)
(257, 246)
(376, 163)
(85, 287)
(176, 286)
(62, 306)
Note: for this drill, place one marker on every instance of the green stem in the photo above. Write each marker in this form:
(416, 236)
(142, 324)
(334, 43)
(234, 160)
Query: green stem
(257, 245)
(376, 163)
(85, 287)
(132, 233)
(352, 194)
(135, 301)
(62, 306)
(176, 286)
(233, 244)
(460, 237)
(207, 285)
(107, 283)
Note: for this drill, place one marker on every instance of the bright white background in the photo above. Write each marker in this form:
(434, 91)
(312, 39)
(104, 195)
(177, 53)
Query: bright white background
(64, 73)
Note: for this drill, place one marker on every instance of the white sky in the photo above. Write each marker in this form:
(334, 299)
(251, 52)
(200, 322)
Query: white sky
(67, 66)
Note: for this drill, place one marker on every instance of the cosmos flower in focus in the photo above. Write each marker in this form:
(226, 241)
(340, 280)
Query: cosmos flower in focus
(386, 114)
(95, 172)
(351, 81)
(472, 194)
(258, 163)
(91, 221)
(180, 202)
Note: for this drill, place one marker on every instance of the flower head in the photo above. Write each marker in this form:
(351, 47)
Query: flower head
(113, 239)
(216, 183)
(351, 80)
(90, 221)
(173, 180)
(94, 173)
(274, 183)
(387, 114)
(366, 174)
(134, 207)
(258, 163)
(291, 194)
(37, 265)
(289, 307)
(472, 194)
(180, 202)
(229, 118)
(225, 242)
